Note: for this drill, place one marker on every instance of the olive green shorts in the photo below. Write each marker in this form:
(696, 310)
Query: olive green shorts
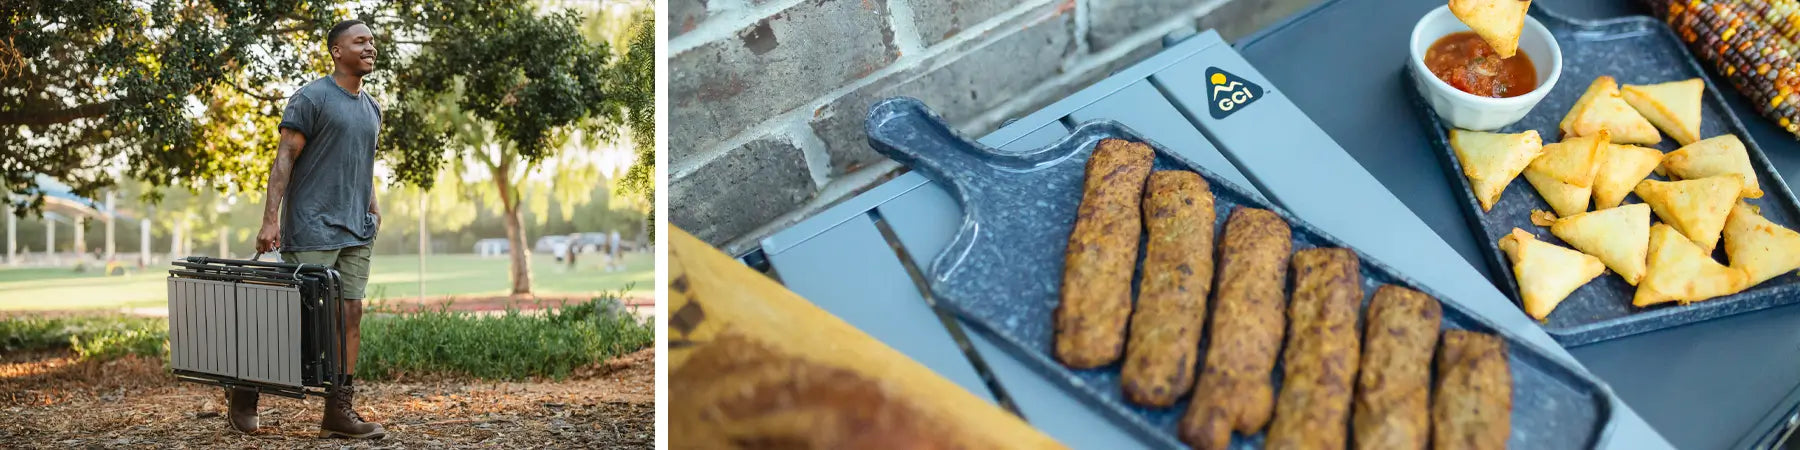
(352, 264)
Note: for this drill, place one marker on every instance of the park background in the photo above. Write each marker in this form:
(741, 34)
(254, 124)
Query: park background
(136, 132)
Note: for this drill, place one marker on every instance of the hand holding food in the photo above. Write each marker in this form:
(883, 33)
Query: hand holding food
(1492, 160)
(1547, 273)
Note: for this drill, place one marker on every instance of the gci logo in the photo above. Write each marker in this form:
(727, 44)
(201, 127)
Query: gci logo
(1229, 93)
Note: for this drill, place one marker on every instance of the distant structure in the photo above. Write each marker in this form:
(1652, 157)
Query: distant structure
(61, 206)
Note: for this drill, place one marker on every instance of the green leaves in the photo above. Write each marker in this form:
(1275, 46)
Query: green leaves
(508, 346)
(159, 90)
(639, 95)
(188, 94)
(102, 337)
(534, 78)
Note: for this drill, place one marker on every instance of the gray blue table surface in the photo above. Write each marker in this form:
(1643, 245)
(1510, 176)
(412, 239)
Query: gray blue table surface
(1726, 383)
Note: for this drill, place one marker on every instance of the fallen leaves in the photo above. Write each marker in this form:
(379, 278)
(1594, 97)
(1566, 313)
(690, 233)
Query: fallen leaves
(52, 401)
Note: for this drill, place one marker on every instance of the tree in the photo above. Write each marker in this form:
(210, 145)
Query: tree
(639, 96)
(187, 94)
(515, 86)
(173, 93)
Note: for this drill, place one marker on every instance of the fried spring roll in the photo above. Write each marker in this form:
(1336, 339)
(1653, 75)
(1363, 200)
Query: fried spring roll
(1234, 390)
(1319, 370)
(1472, 408)
(1102, 253)
(1393, 390)
(1171, 307)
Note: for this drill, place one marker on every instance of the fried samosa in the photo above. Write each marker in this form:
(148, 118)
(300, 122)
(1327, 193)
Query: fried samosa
(1696, 208)
(1620, 237)
(1547, 273)
(1497, 21)
(1564, 175)
(1680, 271)
(1758, 247)
(1674, 107)
(1717, 155)
(1601, 108)
(1621, 168)
(1492, 160)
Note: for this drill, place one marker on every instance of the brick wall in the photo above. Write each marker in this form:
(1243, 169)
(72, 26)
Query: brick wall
(767, 97)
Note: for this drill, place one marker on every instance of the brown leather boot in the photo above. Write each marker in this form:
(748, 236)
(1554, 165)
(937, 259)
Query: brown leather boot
(341, 419)
(241, 409)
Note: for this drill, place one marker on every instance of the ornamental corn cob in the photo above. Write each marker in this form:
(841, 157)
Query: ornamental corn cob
(1751, 43)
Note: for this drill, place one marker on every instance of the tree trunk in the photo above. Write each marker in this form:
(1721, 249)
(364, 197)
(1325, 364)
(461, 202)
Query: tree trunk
(515, 231)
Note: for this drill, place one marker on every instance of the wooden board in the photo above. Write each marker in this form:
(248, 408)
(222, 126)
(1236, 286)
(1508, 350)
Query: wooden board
(712, 296)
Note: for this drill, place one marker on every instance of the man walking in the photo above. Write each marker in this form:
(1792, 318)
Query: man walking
(321, 204)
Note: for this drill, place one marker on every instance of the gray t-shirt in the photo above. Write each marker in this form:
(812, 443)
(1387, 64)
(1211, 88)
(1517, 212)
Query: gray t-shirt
(328, 192)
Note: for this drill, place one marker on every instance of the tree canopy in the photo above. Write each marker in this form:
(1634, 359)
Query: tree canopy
(172, 93)
(188, 93)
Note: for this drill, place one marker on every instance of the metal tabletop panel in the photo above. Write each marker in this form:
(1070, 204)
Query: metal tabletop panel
(850, 271)
(1739, 372)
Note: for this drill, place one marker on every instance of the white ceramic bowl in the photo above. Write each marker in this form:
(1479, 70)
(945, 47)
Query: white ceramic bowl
(1473, 112)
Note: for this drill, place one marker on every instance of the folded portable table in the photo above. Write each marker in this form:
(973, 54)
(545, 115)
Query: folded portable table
(271, 327)
(1357, 164)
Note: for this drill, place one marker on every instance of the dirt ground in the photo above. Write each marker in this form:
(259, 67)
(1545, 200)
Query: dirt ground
(49, 400)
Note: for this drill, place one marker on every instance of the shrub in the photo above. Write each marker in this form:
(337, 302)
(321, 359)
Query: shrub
(102, 337)
(507, 346)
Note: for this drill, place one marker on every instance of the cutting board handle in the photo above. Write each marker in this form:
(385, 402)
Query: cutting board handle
(904, 129)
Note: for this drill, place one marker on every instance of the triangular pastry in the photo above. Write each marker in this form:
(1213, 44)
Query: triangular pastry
(1492, 160)
(1758, 247)
(1572, 160)
(1546, 272)
(1564, 175)
(1681, 271)
(1621, 168)
(1674, 107)
(1716, 155)
(1566, 199)
(1601, 108)
(1696, 208)
(1497, 21)
(1620, 237)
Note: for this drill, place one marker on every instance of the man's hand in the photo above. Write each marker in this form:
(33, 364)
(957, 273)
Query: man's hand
(269, 238)
(377, 215)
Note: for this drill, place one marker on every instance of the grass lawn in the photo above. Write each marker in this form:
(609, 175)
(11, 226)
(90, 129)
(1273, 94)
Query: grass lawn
(393, 276)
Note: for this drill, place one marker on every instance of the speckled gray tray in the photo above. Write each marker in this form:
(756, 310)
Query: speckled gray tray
(1634, 50)
(1002, 271)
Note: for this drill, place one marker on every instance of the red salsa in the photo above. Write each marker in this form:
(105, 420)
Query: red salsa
(1470, 65)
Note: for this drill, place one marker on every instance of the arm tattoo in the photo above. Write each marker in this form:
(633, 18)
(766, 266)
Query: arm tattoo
(285, 154)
